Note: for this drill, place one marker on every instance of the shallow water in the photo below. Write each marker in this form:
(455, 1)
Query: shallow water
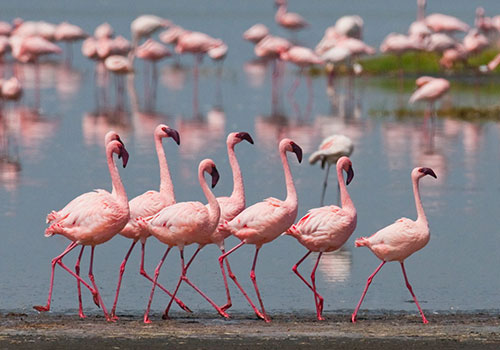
(57, 154)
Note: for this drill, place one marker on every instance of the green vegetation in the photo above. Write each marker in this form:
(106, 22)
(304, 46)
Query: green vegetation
(464, 113)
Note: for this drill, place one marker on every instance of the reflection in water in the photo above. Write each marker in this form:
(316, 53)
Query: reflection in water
(10, 166)
(174, 77)
(256, 71)
(335, 266)
(68, 82)
(96, 124)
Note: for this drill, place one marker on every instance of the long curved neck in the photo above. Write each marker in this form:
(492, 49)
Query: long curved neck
(345, 198)
(238, 187)
(118, 189)
(166, 186)
(290, 187)
(418, 202)
(213, 205)
(281, 11)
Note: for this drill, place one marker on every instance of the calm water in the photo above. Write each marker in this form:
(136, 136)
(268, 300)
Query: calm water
(58, 154)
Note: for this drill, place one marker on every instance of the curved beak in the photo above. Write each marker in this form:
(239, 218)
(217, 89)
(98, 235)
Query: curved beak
(173, 134)
(350, 175)
(124, 155)
(215, 176)
(245, 136)
(297, 150)
(429, 171)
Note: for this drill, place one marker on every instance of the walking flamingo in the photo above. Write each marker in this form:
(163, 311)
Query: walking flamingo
(147, 204)
(398, 241)
(330, 151)
(326, 229)
(264, 221)
(91, 219)
(182, 224)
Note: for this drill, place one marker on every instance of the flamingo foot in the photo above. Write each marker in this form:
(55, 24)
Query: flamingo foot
(225, 307)
(82, 315)
(146, 319)
(41, 308)
(424, 320)
(353, 318)
(320, 318)
(165, 317)
(223, 313)
(267, 319)
(111, 318)
(182, 305)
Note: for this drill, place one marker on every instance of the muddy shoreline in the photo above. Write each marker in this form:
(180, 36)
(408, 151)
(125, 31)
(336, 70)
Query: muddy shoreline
(203, 331)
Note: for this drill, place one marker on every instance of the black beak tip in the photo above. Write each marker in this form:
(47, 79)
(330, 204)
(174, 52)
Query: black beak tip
(429, 171)
(124, 155)
(298, 151)
(245, 136)
(215, 176)
(350, 176)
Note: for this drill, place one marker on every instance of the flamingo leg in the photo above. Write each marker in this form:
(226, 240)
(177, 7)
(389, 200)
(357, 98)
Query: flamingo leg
(368, 282)
(318, 299)
(233, 277)
(424, 320)
(229, 302)
(78, 286)
(145, 274)
(186, 279)
(91, 277)
(254, 281)
(196, 76)
(157, 273)
(57, 260)
(325, 184)
(122, 270)
(310, 97)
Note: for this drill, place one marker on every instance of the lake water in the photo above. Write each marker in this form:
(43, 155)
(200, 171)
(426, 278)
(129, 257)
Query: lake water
(57, 154)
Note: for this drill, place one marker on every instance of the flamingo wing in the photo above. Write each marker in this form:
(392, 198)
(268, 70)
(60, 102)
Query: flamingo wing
(147, 204)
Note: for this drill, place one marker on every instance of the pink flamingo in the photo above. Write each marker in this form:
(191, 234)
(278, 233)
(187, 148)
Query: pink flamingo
(11, 89)
(429, 89)
(145, 25)
(120, 66)
(288, 20)
(256, 33)
(69, 33)
(91, 219)
(326, 229)
(147, 204)
(398, 241)
(444, 23)
(182, 224)
(264, 221)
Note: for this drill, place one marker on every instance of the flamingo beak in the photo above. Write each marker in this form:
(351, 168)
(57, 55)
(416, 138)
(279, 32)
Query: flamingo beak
(350, 175)
(245, 136)
(429, 171)
(173, 134)
(124, 155)
(215, 176)
(298, 151)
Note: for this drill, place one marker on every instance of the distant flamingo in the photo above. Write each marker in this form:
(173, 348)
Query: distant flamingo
(288, 20)
(69, 33)
(429, 89)
(119, 65)
(147, 204)
(444, 23)
(145, 25)
(11, 89)
(91, 219)
(264, 221)
(330, 151)
(256, 33)
(326, 229)
(182, 224)
(398, 241)
(350, 26)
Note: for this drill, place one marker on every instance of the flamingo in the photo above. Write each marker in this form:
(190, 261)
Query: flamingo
(119, 65)
(326, 229)
(69, 33)
(256, 33)
(398, 241)
(182, 224)
(444, 23)
(147, 204)
(264, 221)
(330, 151)
(145, 25)
(91, 219)
(429, 89)
(288, 20)
(11, 89)
(350, 26)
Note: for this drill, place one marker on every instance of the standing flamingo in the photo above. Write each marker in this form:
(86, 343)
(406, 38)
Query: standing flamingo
(147, 204)
(182, 224)
(326, 229)
(398, 241)
(91, 219)
(429, 89)
(264, 221)
(330, 151)
(288, 20)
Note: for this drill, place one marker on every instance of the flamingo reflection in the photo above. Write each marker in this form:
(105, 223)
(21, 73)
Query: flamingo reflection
(336, 266)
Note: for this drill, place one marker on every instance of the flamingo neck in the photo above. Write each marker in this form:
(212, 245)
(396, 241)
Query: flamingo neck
(418, 202)
(213, 205)
(238, 187)
(281, 11)
(345, 198)
(118, 189)
(166, 186)
(290, 187)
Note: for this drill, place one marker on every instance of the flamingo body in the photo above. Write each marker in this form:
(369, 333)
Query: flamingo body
(430, 89)
(444, 23)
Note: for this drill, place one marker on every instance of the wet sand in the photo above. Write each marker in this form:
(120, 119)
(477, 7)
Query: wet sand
(378, 331)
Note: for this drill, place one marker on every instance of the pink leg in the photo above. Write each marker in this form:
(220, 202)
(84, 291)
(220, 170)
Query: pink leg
(368, 282)
(233, 277)
(254, 281)
(229, 303)
(318, 299)
(91, 277)
(295, 269)
(145, 274)
(310, 97)
(184, 278)
(77, 271)
(57, 260)
(122, 270)
(157, 273)
(424, 320)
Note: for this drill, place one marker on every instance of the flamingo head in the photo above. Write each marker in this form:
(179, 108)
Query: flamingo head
(346, 164)
(165, 131)
(112, 136)
(426, 171)
(297, 150)
(240, 136)
(118, 147)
